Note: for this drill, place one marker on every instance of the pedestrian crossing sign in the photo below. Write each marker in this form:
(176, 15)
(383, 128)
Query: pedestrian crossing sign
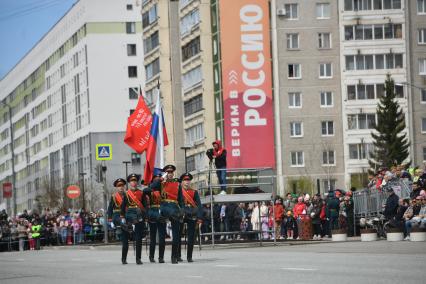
(103, 152)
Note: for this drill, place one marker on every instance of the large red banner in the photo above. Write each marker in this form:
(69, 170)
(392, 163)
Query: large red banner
(247, 83)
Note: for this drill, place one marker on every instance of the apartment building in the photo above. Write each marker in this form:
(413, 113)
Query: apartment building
(74, 89)
(178, 47)
(310, 94)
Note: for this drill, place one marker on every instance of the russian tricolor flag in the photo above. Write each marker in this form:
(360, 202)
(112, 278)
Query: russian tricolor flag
(157, 141)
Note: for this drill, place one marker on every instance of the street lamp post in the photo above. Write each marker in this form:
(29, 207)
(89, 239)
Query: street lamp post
(82, 190)
(12, 149)
(126, 164)
(185, 148)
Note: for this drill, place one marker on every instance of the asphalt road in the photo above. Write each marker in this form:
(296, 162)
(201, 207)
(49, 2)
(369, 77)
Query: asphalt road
(351, 262)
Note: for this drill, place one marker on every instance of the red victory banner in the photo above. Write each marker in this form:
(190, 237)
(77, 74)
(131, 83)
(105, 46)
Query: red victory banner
(7, 190)
(247, 83)
(139, 127)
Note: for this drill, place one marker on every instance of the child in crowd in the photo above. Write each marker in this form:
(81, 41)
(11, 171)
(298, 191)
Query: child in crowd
(290, 224)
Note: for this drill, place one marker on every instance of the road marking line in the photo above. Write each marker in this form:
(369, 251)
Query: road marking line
(227, 265)
(299, 269)
(194, 276)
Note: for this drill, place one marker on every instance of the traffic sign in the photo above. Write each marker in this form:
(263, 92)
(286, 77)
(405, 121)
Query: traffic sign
(103, 152)
(73, 191)
(7, 190)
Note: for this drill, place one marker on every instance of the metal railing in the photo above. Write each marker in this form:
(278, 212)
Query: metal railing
(371, 201)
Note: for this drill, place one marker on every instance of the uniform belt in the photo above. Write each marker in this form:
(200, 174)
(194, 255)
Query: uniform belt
(155, 206)
(133, 207)
(170, 200)
(116, 210)
(189, 205)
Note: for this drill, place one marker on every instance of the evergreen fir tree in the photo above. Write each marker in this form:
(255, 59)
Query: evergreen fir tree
(391, 145)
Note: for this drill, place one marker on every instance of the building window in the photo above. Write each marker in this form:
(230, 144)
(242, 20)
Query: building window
(129, 7)
(152, 69)
(423, 125)
(192, 78)
(130, 27)
(296, 129)
(292, 11)
(423, 96)
(294, 71)
(376, 32)
(292, 41)
(421, 39)
(327, 128)
(191, 49)
(189, 22)
(326, 70)
(136, 159)
(422, 66)
(366, 62)
(132, 71)
(365, 5)
(323, 10)
(194, 134)
(297, 159)
(324, 40)
(361, 121)
(151, 42)
(421, 6)
(360, 151)
(328, 158)
(326, 99)
(131, 50)
(294, 100)
(329, 184)
(133, 94)
(193, 105)
(149, 16)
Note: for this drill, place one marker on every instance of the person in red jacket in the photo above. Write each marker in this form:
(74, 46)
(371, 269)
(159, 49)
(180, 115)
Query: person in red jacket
(279, 214)
(299, 208)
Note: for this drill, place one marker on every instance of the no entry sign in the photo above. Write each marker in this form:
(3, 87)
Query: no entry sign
(73, 191)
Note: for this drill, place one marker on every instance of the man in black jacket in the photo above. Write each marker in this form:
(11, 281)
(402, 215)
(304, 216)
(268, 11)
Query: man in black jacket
(219, 155)
(391, 206)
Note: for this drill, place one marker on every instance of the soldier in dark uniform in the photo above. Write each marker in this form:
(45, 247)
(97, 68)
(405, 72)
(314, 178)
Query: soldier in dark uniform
(170, 206)
(114, 206)
(133, 215)
(193, 212)
(156, 223)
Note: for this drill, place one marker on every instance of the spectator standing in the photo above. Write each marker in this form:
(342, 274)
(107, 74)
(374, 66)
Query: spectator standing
(22, 234)
(279, 215)
(264, 217)
(219, 155)
(315, 216)
(332, 211)
(291, 225)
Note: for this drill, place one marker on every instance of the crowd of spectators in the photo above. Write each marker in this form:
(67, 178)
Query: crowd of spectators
(408, 210)
(30, 231)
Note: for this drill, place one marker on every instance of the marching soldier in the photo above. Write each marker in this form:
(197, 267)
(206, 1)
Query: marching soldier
(156, 222)
(193, 211)
(114, 206)
(170, 206)
(133, 214)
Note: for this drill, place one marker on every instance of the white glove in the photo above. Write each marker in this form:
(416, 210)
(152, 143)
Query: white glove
(112, 225)
(123, 221)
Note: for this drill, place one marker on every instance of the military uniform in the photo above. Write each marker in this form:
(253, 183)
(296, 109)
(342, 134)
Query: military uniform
(170, 207)
(193, 214)
(133, 212)
(155, 221)
(114, 206)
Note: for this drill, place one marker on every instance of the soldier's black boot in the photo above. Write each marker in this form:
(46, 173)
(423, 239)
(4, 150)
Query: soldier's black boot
(161, 254)
(151, 259)
(123, 261)
(138, 261)
(189, 254)
(174, 257)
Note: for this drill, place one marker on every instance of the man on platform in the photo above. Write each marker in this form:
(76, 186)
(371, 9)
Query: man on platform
(133, 214)
(155, 221)
(193, 213)
(114, 206)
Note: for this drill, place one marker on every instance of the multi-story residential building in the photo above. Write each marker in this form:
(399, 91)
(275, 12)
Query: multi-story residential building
(179, 52)
(416, 87)
(74, 89)
(310, 94)
(374, 43)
